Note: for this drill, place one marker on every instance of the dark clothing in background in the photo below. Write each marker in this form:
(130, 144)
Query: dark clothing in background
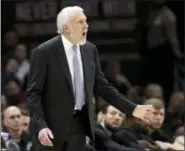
(126, 137)
(161, 136)
(172, 122)
(158, 61)
(104, 142)
(24, 144)
(3, 144)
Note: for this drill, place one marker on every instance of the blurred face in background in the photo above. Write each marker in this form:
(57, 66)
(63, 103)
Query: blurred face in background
(25, 123)
(11, 39)
(113, 118)
(154, 91)
(12, 66)
(3, 103)
(158, 118)
(12, 93)
(21, 52)
(13, 119)
(12, 88)
(177, 102)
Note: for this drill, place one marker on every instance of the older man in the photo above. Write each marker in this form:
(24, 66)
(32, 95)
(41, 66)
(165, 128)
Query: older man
(65, 72)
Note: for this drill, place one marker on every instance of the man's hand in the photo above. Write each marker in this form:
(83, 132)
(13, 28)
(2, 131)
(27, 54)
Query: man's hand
(44, 137)
(164, 145)
(144, 112)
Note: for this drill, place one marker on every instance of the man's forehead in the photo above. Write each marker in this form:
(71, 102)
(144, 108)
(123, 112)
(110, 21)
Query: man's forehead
(78, 16)
(113, 109)
(12, 112)
(162, 110)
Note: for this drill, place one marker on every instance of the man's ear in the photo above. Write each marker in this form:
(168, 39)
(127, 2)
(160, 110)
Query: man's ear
(66, 29)
(5, 122)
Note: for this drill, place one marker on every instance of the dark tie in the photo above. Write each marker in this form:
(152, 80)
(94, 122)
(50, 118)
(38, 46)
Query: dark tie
(78, 82)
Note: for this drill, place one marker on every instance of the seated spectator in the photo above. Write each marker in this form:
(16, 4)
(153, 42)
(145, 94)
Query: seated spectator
(113, 119)
(115, 77)
(9, 43)
(155, 130)
(145, 135)
(12, 122)
(135, 93)
(9, 72)
(13, 93)
(154, 91)
(25, 120)
(174, 115)
(135, 135)
(21, 55)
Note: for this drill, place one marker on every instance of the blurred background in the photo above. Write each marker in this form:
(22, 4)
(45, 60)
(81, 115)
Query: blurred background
(140, 42)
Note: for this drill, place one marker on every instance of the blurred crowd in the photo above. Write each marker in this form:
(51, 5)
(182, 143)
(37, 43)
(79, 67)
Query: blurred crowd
(114, 130)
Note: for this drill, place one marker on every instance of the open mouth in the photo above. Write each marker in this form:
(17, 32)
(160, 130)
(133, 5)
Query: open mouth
(84, 34)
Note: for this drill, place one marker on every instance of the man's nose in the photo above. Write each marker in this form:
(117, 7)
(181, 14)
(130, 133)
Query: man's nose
(86, 25)
(117, 117)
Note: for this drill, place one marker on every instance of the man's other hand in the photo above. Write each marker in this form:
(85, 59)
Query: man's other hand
(45, 136)
(144, 112)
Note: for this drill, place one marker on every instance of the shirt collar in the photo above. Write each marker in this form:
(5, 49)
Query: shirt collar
(67, 44)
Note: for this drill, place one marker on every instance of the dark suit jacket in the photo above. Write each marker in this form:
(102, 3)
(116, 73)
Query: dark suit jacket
(50, 92)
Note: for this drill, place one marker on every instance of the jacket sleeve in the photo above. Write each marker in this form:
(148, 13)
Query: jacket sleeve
(35, 88)
(109, 93)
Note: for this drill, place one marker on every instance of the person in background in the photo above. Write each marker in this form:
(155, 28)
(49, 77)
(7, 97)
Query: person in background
(155, 130)
(175, 113)
(20, 54)
(25, 120)
(154, 91)
(159, 45)
(12, 121)
(104, 131)
(115, 77)
(10, 41)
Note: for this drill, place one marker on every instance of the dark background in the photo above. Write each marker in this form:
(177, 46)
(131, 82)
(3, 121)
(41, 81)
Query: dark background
(112, 25)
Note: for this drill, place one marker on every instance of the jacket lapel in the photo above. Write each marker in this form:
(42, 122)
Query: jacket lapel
(62, 61)
(85, 68)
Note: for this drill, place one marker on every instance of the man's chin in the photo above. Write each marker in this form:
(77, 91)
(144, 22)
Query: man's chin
(82, 42)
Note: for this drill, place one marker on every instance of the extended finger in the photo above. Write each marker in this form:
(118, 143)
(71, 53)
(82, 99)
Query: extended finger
(45, 140)
(48, 140)
(50, 134)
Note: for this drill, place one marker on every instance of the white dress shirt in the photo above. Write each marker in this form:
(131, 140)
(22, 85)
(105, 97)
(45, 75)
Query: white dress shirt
(69, 54)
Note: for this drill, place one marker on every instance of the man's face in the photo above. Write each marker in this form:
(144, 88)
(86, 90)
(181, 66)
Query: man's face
(20, 52)
(12, 88)
(78, 28)
(25, 123)
(177, 102)
(12, 66)
(158, 118)
(12, 119)
(113, 118)
(11, 39)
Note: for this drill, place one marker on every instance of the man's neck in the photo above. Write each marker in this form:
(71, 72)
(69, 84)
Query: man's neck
(68, 37)
(103, 125)
(16, 135)
(150, 130)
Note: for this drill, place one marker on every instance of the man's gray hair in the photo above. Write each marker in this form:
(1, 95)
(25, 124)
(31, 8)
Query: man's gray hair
(64, 16)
